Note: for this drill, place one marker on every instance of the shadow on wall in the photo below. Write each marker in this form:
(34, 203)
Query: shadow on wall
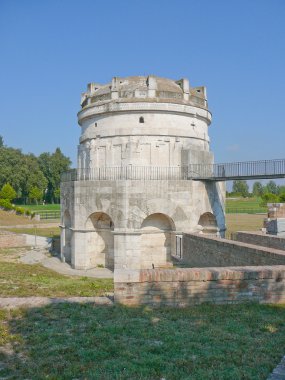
(156, 240)
(217, 205)
(66, 237)
(188, 287)
(100, 240)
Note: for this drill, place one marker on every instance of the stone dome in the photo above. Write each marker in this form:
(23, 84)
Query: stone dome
(145, 88)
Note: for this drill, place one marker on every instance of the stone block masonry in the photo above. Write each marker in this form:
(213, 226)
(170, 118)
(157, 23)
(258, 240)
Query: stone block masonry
(269, 241)
(193, 286)
(203, 251)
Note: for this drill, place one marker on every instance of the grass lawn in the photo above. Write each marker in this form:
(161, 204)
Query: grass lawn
(23, 280)
(72, 341)
(47, 207)
(43, 231)
(246, 205)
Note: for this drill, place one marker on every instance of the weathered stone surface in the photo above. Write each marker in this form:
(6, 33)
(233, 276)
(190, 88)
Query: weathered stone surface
(152, 125)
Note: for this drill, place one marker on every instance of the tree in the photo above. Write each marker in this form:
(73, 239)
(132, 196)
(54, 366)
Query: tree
(35, 194)
(7, 192)
(1, 142)
(257, 189)
(241, 187)
(52, 165)
(271, 187)
(269, 198)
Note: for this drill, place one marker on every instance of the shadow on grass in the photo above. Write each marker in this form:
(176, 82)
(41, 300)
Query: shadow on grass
(75, 341)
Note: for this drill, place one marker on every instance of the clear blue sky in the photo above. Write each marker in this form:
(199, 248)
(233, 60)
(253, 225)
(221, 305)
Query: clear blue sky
(51, 49)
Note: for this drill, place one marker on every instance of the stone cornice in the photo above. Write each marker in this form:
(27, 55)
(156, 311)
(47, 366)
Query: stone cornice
(92, 110)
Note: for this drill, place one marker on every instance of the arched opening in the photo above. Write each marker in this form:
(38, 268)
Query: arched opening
(100, 240)
(141, 120)
(157, 241)
(66, 237)
(208, 224)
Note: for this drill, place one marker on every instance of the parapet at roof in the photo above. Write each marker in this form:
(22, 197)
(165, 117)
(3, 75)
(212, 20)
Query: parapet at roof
(145, 88)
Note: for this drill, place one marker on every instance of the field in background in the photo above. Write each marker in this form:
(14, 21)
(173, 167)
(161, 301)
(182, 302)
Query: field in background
(244, 205)
(47, 207)
(11, 219)
(243, 222)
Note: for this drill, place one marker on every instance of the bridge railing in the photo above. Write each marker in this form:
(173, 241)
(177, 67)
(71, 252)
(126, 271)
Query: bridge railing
(248, 169)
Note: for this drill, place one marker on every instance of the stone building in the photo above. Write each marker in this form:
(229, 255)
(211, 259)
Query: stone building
(132, 196)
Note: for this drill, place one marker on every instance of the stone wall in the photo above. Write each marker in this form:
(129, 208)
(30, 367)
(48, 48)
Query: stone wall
(186, 287)
(9, 239)
(260, 239)
(203, 251)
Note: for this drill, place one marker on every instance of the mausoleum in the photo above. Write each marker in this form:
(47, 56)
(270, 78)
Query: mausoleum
(132, 195)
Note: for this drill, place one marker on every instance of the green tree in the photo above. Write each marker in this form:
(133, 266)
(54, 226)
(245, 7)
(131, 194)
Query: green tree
(35, 194)
(257, 189)
(240, 187)
(52, 165)
(1, 142)
(269, 198)
(7, 192)
(272, 188)
(282, 197)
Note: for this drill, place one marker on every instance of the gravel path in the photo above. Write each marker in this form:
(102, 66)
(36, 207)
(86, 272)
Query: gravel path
(41, 256)
(15, 302)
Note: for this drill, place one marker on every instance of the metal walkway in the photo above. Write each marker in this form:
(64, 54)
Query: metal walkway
(198, 172)
(246, 170)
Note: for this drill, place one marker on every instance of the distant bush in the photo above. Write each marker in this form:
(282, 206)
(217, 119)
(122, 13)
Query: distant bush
(282, 197)
(269, 198)
(6, 204)
(19, 210)
(28, 212)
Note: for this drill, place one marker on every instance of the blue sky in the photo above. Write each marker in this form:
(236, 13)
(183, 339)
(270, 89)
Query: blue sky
(51, 49)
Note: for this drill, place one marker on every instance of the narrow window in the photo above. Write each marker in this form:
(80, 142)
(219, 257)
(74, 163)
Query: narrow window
(141, 119)
(95, 124)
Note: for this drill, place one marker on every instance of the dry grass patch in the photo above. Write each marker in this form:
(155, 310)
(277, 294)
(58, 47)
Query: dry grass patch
(244, 222)
(11, 219)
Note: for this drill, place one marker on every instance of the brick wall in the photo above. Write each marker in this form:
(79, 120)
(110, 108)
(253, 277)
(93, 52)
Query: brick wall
(9, 239)
(260, 239)
(203, 251)
(189, 286)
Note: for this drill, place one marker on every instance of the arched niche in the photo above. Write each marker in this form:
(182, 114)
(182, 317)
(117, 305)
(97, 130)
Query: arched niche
(157, 240)
(67, 235)
(100, 240)
(208, 223)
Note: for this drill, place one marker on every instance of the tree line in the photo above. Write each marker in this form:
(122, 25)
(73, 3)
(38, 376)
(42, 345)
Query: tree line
(32, 178)
(270, 192)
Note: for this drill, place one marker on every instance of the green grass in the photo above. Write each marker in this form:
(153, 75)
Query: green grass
(244, 205)
(72, 341)
(46, 232)
(47, 207)
(23, 280)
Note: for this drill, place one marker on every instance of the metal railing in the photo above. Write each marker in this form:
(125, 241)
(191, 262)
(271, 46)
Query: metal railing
(211, 172)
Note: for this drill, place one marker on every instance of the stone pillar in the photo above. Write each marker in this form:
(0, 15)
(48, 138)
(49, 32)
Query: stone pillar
(127, 249)
(78, 250)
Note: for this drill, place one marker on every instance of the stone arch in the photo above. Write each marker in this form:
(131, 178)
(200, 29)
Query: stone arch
(66, 237)
(157, 240)
(208, 223)
(100, 240)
